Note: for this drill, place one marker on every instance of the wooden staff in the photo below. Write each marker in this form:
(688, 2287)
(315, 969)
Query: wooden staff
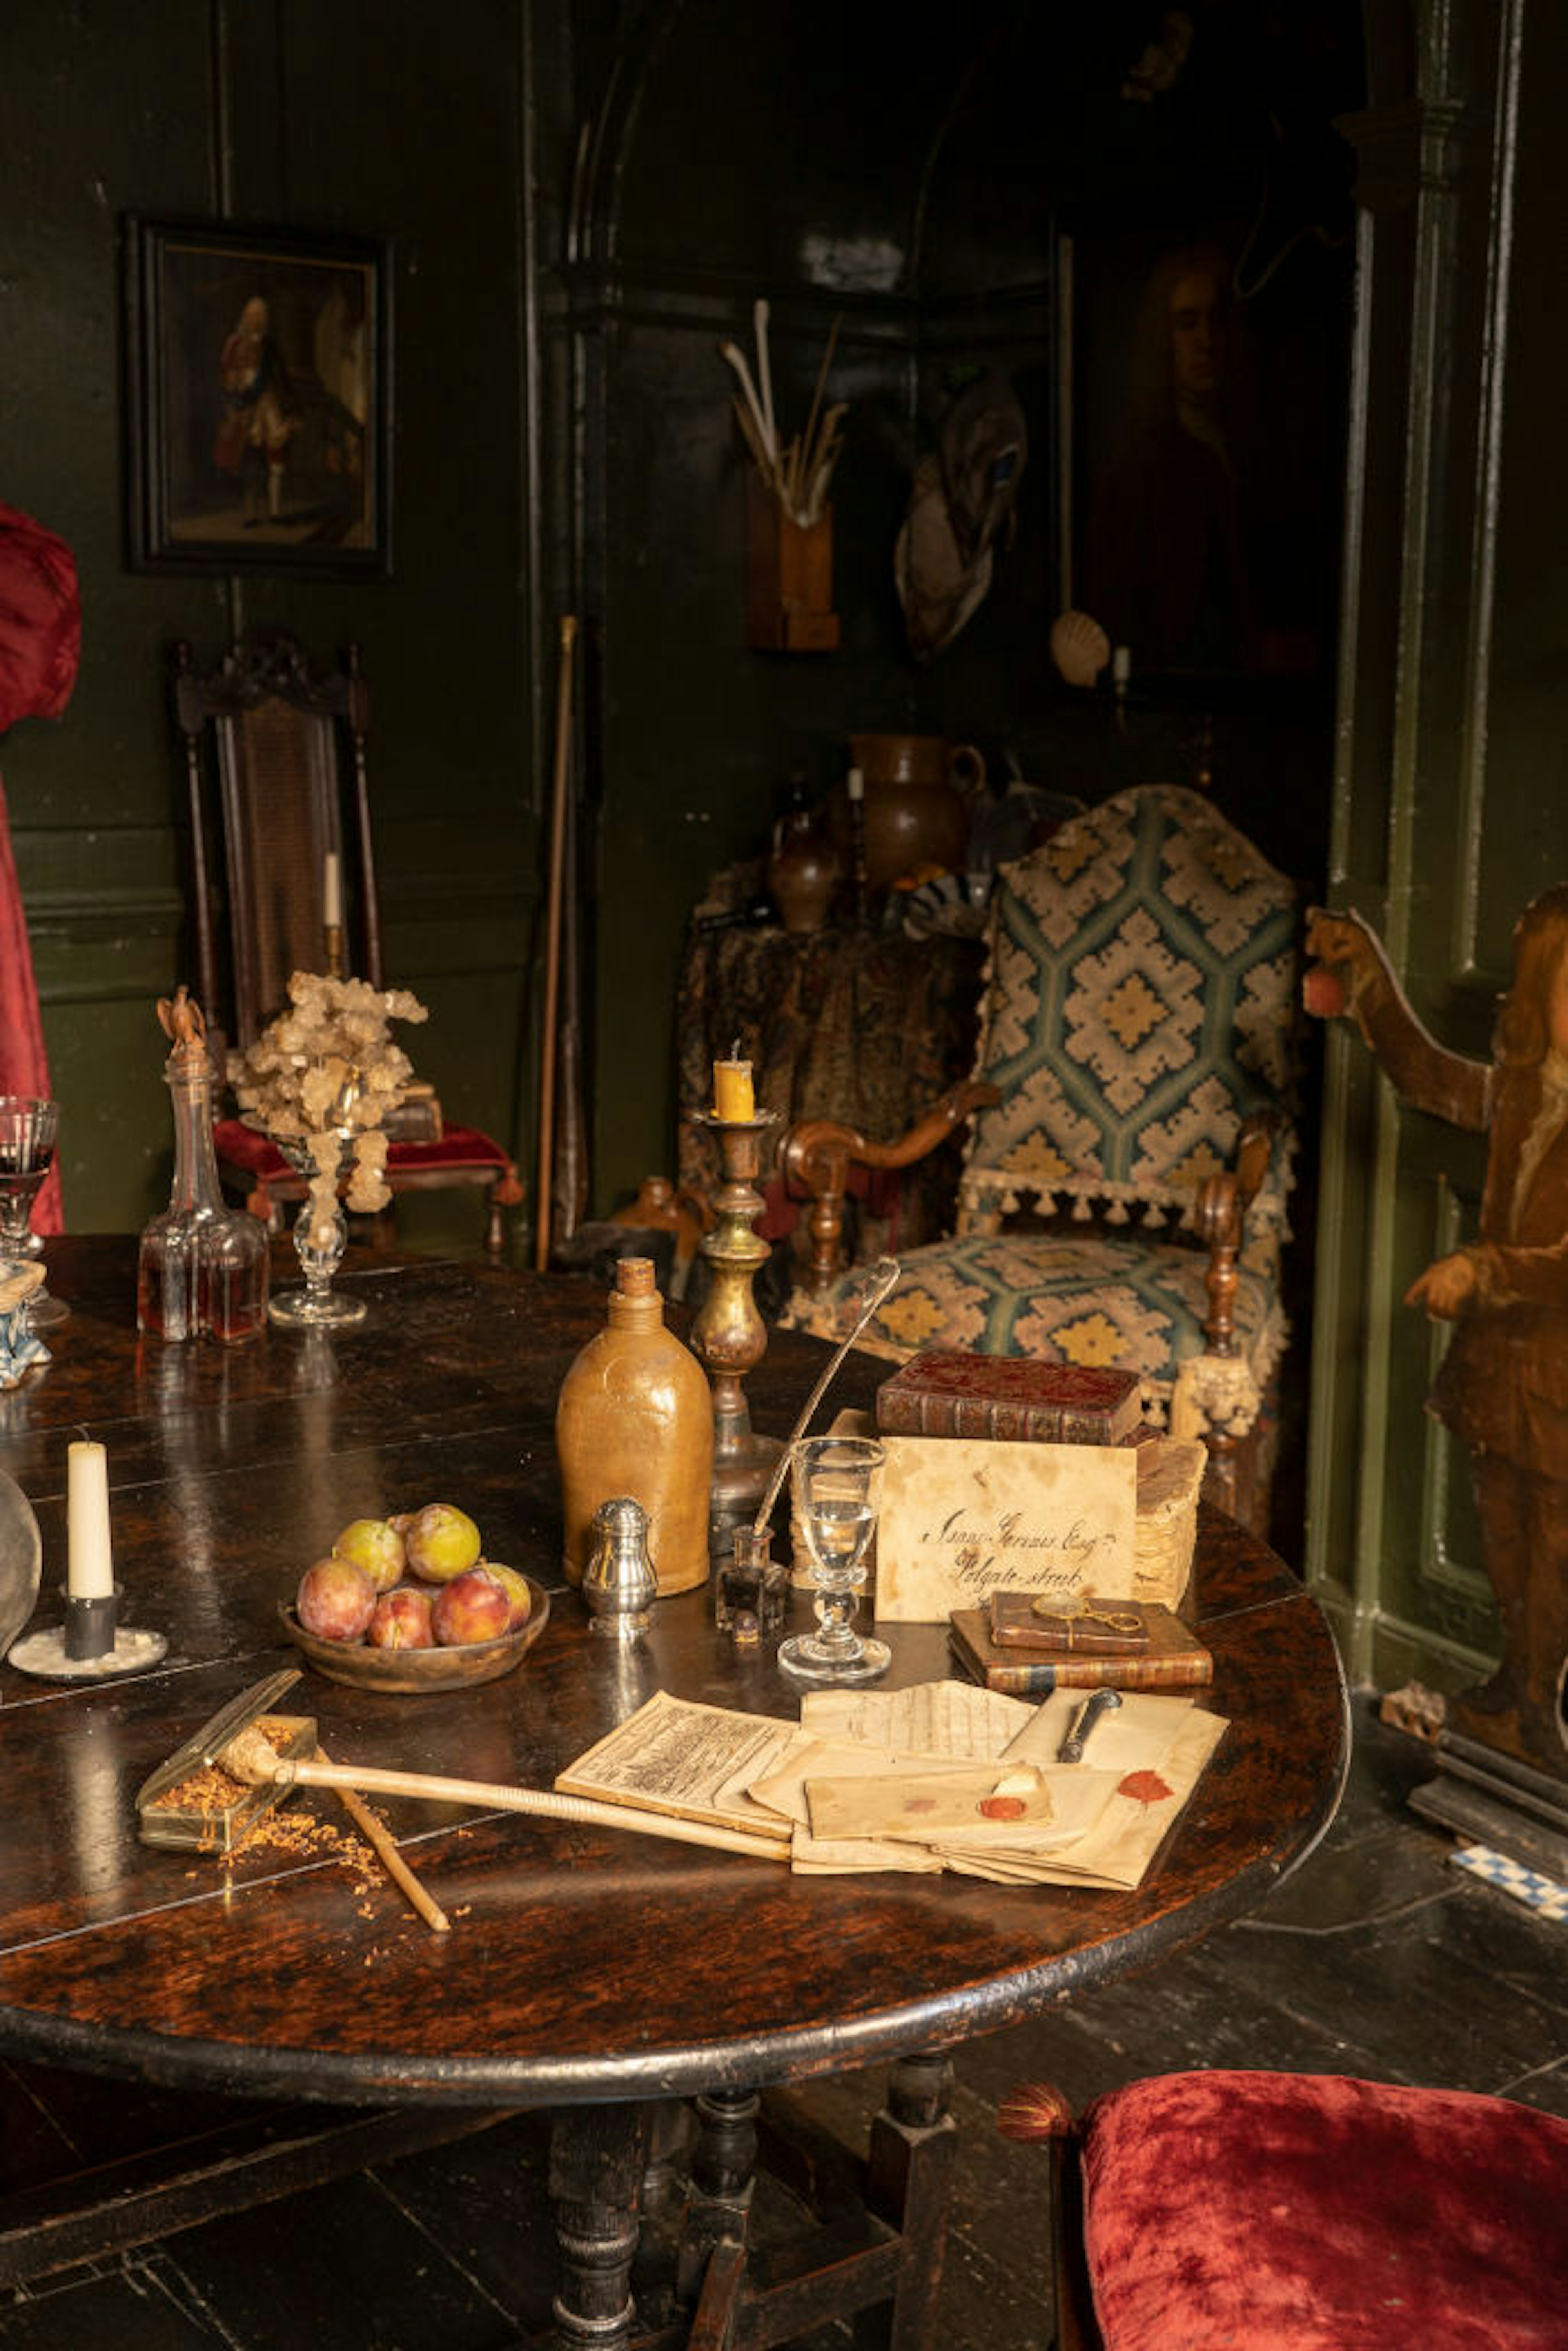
(543, 1186)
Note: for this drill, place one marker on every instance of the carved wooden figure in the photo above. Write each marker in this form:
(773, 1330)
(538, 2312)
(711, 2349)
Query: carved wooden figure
(1502, 1388)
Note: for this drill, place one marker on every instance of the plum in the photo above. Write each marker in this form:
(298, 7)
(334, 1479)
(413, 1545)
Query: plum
(375, 1545)
(402, 1620)
(335, 1600)
(515, 1587)
(441, 1541)
(472, 1607)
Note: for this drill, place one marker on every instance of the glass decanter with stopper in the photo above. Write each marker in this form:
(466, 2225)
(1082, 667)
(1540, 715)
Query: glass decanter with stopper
(203, 1266)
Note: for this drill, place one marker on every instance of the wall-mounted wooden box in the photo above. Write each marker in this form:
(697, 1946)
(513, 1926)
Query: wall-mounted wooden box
(789, 577)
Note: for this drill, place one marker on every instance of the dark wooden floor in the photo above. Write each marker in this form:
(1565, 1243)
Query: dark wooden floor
(1378, 1958)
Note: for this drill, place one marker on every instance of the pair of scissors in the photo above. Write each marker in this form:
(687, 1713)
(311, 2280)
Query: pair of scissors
(1081, 1612)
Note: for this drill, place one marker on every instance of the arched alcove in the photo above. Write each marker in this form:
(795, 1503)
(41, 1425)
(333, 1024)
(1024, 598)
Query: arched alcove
(913, 176)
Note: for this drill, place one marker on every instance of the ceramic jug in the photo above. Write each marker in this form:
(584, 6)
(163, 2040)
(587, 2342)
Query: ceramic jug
(803, 871)
(634, 1418)
(918, 789)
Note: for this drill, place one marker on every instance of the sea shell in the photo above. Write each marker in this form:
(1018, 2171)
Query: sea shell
(1079, 647)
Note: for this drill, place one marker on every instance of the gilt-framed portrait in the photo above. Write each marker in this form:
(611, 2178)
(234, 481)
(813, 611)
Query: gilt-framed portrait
(1201, 454)
(259, 400)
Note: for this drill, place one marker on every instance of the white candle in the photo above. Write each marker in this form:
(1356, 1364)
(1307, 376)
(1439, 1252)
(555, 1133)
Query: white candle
(855, 784)
(89, 1572)
(332, 892)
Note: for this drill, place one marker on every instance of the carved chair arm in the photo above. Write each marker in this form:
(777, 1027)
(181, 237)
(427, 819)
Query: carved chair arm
(816, 1156)
(1221, 1216)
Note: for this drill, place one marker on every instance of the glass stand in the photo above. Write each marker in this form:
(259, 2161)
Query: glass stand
(321, 1236)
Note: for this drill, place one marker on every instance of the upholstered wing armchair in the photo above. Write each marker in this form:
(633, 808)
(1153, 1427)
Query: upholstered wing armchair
(1123, 1195)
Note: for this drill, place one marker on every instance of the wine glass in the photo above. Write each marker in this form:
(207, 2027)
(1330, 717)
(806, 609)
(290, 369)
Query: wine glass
(27, 1127)
(835, 1512)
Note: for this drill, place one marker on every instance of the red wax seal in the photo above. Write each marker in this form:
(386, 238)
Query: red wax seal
(1143, 1787)
(1002, 1808)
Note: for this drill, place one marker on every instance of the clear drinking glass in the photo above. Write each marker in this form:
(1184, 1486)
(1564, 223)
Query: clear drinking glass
(27, 1129)
(836, 1515)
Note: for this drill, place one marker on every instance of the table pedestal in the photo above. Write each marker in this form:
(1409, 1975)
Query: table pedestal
(872, 2248)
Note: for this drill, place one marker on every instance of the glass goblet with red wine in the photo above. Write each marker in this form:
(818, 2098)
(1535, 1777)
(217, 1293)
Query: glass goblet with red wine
(27, 1127)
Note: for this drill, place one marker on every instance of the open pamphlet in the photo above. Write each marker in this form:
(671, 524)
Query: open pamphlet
(942, 1776)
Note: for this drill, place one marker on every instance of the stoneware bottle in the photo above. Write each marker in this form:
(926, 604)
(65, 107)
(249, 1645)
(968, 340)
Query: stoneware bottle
(635, 1417)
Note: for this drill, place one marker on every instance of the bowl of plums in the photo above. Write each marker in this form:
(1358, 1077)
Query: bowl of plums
(411, 1603)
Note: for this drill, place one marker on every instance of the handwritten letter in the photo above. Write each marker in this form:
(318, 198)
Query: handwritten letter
(962, 1519)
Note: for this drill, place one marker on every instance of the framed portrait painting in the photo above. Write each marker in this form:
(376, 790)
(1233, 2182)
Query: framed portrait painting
(259, 400)
(1201, 449)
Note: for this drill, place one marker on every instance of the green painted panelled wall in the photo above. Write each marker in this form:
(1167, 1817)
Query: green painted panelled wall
(562, 441)
(1451, 797)
(338, 116)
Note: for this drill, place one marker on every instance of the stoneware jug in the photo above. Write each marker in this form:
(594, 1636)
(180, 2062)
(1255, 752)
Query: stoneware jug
(918, 789)
(634, 1419)
(802, 872)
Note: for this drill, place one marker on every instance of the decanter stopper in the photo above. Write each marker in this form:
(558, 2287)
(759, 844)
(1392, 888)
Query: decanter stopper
(619, 1583)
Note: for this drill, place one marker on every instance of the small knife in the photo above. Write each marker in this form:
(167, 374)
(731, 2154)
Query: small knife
(1099, 1702)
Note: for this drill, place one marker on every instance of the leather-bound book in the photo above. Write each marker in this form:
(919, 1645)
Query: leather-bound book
(1010, 1397)
(1175, 1659)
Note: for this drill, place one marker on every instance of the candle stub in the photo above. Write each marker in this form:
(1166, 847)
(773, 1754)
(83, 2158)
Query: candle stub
(733, 1095)
(89, 1568)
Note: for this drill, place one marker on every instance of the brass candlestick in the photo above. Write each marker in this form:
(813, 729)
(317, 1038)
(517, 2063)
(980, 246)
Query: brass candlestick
(728, 1335)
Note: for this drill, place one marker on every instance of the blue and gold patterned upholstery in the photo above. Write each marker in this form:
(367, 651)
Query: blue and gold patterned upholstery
(1139, 1005)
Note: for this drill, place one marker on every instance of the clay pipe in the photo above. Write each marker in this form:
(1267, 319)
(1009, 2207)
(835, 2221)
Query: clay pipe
(251, 1757)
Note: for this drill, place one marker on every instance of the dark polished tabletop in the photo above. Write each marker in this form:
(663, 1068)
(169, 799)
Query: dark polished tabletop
(584, 1965)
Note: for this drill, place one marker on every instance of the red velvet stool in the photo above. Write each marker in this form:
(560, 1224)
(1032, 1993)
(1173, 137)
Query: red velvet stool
(253, 1162)
(1242, 2212)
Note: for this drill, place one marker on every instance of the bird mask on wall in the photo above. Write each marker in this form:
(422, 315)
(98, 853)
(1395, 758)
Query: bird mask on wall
(961, 498)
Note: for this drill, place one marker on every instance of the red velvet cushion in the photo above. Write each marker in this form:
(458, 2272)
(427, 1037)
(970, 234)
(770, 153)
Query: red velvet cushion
(460, 1147)
(1285, 2213)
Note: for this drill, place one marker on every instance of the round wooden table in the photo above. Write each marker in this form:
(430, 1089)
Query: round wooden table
(587, 1972)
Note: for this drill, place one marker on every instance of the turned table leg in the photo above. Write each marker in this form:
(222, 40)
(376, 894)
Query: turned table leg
(598, 2155)
(909, 2184)
(723, 2162)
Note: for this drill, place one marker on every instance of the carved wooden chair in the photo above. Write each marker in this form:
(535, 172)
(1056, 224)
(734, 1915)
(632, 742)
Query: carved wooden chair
(275, 757)
(1259, 2210)
(1123, 1186)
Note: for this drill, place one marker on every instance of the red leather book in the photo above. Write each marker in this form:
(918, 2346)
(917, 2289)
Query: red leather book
(1010, 1398)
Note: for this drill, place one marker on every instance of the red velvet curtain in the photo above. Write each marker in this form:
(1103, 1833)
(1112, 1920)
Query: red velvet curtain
(40, 647)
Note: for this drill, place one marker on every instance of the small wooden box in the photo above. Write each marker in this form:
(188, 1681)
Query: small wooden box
(789, 577)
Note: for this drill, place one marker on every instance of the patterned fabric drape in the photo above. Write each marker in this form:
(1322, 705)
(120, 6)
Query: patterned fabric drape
(864, 1027)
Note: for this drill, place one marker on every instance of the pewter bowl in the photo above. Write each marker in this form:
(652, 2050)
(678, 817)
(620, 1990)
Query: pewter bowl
(21, 1560)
